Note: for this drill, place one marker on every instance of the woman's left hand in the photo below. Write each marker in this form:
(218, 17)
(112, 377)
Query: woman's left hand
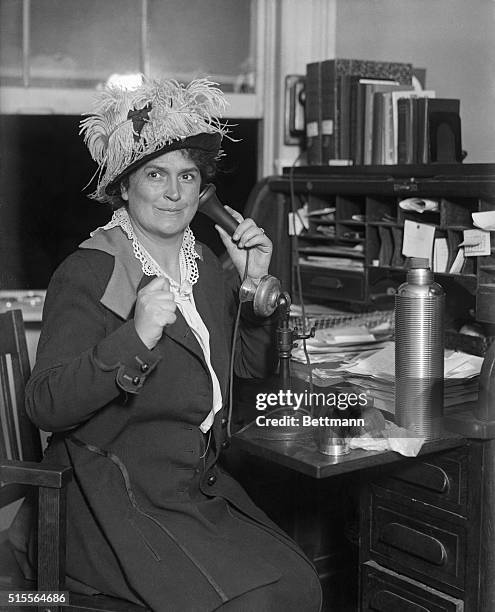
(247, 237)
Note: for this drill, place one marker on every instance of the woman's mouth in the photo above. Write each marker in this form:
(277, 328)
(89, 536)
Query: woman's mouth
(171, 211)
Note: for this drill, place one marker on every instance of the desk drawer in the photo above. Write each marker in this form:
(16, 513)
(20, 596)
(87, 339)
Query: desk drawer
(425, 548)
(440, 480)
(385, 591)
(330, 284)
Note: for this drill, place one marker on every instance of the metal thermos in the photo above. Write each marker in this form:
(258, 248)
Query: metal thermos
(419, 351)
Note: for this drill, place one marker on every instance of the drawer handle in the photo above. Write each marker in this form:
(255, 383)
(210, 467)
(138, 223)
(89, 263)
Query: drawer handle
(414, 542)
(386, 601)
(427, 476)
(405, 186)
(329, 282)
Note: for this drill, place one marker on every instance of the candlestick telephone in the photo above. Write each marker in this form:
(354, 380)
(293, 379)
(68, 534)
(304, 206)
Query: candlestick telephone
(265, 293)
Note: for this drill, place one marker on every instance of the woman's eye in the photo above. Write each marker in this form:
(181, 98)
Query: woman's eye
(154, 174)
(188, 176)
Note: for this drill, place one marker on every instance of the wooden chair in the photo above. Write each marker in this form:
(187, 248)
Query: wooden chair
(20, 452)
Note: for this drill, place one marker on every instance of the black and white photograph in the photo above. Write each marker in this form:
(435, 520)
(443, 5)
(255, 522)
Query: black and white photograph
(247, 305)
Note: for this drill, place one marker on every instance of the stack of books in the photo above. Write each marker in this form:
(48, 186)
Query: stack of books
(328, 102)
(362, 112)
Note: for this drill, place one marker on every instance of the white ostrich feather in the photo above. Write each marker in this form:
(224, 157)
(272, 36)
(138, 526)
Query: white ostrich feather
(169, 111)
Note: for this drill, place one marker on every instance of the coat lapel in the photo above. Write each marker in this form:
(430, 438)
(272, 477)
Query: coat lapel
(127, 279)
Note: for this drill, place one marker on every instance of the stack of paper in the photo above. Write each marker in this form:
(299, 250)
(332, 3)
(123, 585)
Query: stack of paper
(338, 342)
(323, 317)
(374, 373)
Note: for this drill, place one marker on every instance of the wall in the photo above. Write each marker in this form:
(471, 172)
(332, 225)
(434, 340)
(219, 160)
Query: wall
(453, 39)
(291, 34)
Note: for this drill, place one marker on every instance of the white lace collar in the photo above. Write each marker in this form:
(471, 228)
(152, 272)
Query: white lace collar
(187, 256)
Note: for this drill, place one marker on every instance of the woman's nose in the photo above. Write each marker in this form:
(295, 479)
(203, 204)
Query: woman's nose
(172, 191)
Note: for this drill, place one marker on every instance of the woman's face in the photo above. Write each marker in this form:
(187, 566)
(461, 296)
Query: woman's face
(163, 194)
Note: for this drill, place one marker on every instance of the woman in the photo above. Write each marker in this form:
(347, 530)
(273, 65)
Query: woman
(132, 374)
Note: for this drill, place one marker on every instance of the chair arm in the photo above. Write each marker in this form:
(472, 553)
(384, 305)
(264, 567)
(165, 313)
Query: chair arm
(35, 474)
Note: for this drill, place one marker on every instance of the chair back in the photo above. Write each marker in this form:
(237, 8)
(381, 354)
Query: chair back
(19, 437)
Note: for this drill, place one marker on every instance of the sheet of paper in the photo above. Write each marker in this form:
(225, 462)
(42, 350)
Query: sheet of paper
(347, 334)
(381, 363)
(458, 262)
(440, 255)
(298, 221)
(484, 220)
(420, 205)
(476, 243)
(418, 240)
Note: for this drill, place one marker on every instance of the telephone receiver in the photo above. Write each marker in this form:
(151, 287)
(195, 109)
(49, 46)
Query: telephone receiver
(210, 205)
(264, 292)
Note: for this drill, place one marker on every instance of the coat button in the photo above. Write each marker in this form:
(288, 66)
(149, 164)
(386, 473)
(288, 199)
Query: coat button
(136, 380)
(225, 444)
(211, 480)
(224, 421)
(145, 367)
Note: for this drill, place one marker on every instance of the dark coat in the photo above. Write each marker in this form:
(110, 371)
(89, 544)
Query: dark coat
(147, 516)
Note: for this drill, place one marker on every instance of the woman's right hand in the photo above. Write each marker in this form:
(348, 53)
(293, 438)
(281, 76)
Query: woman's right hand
(155, 309)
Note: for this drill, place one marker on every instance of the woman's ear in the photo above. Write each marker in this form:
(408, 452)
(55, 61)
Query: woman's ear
(123, 192)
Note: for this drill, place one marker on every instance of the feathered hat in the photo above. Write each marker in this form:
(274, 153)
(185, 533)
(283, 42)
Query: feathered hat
(128, 127)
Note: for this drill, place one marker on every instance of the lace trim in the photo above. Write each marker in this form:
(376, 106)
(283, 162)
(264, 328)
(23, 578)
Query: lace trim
(187, 256)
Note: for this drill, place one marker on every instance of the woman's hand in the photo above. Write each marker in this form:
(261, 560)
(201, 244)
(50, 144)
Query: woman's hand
(247, 237)
(155, 309)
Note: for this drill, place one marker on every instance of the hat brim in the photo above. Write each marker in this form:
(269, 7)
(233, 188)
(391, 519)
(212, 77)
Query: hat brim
(204, 141)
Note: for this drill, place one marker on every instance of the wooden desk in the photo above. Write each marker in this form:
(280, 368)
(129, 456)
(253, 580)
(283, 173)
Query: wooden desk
(426, 540)
(302, 455)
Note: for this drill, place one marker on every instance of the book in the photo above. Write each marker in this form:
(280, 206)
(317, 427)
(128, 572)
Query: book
(382, 132)
(406, 128)
(405, 93)
(360, 112)
(343, 120)
(333, 99)
(388, 129)
(438, 130)
(313, 113)
(377, 144)
(370, 88)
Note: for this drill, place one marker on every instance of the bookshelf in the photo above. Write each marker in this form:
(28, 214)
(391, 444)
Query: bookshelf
(352, 252)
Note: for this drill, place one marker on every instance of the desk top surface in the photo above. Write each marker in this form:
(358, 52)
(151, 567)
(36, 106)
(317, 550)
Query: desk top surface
(303, 456)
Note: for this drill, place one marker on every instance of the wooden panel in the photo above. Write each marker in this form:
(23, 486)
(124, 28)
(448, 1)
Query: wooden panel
(417, 544)
(332, 284)
(51, 539)
(386, 591)
(36, 474)
(440, 480)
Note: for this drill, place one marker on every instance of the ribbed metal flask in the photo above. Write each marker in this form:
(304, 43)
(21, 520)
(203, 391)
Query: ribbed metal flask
(419, 351)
